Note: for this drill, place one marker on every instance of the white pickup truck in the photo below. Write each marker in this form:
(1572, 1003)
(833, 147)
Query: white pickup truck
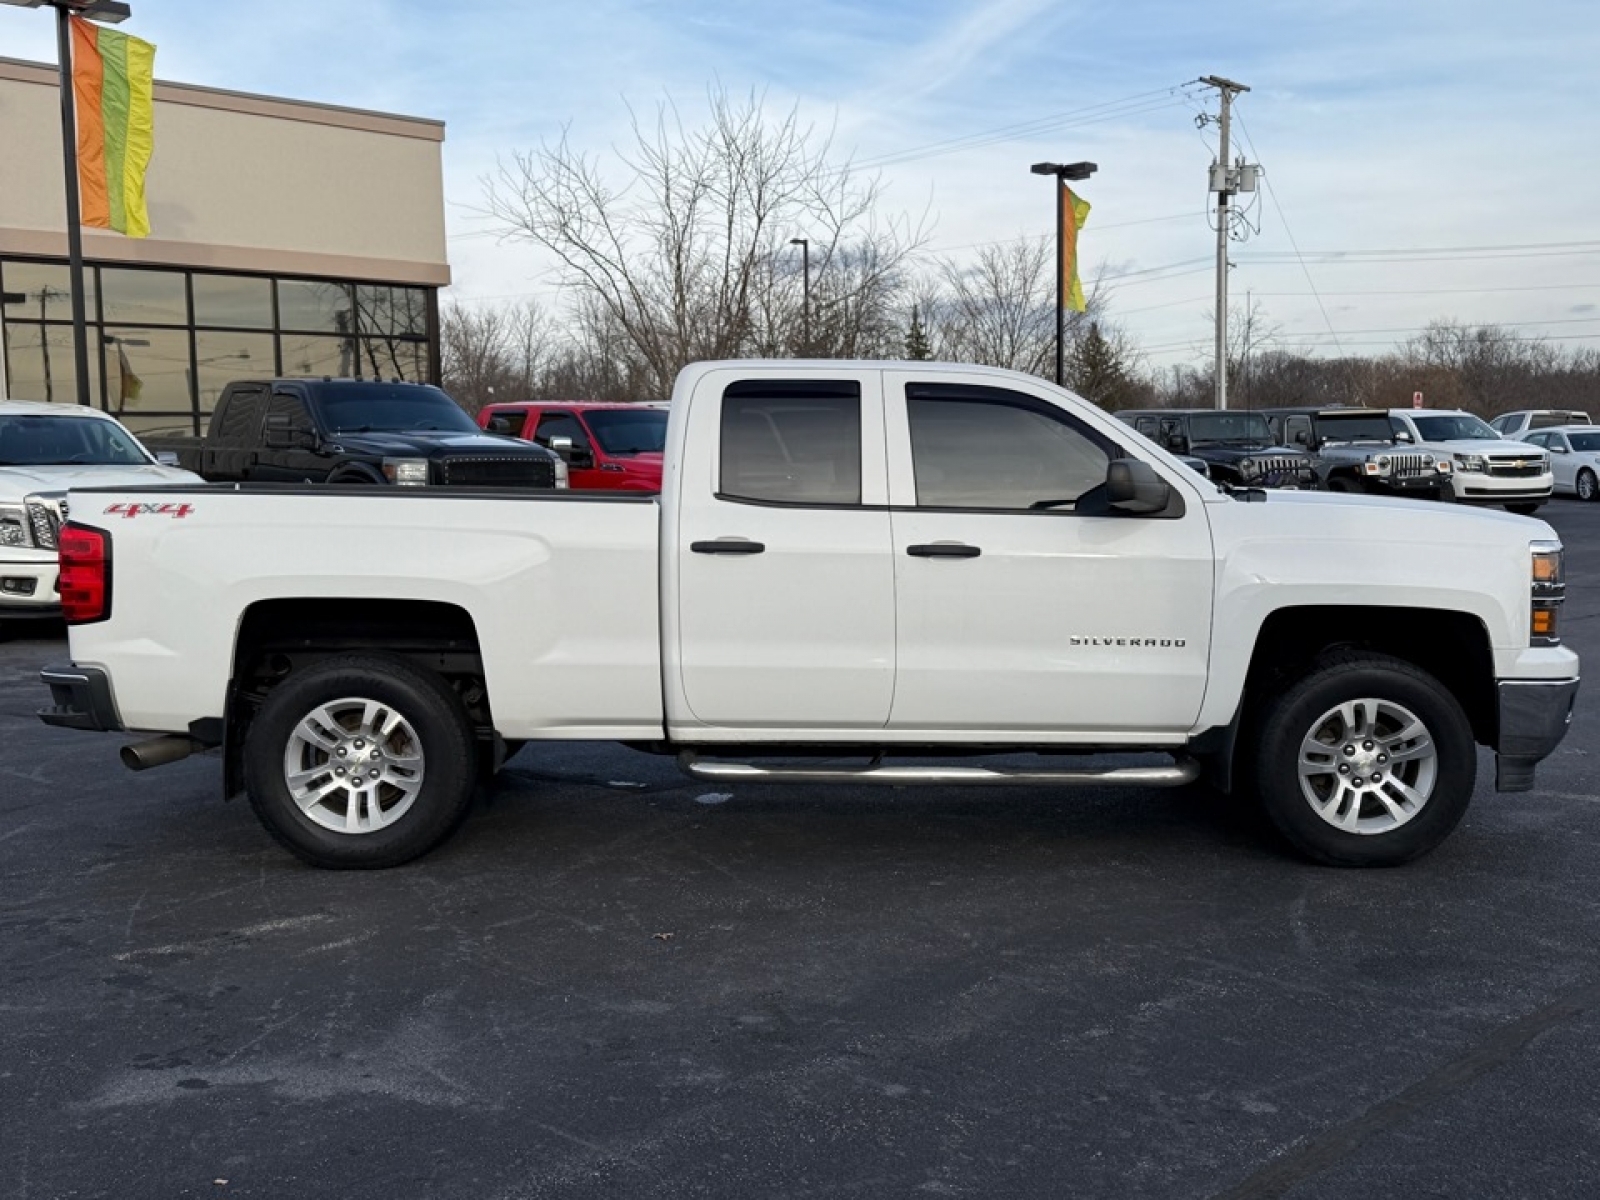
(907, 564)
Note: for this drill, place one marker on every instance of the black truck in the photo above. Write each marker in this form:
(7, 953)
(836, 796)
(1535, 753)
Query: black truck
(1237, 447)
(358, 431)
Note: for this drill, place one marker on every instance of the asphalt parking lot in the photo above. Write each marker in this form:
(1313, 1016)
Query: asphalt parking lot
(616, 981)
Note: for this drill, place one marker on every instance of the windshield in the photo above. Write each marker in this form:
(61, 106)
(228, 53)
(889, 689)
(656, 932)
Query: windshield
(1362, 427)
(1229, 427)
(628, 431)
(48, 441)
(1455, 428)
(401, 408)
(1585, 443)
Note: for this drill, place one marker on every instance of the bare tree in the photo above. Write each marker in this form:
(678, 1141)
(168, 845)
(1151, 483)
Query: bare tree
(495, 353)
(689, 258)
(1000, 310)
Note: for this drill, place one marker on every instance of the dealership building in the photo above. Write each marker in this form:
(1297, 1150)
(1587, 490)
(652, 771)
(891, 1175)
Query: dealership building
(286, 238)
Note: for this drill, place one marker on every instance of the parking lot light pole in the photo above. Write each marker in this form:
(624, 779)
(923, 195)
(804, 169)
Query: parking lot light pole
(112, 12)
(805, 292)
(1062, 172)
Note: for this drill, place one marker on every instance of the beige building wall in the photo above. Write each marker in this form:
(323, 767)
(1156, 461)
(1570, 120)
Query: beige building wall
(241, 183)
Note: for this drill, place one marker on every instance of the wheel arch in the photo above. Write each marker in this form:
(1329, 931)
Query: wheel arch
(1452, 646)
(278, 637)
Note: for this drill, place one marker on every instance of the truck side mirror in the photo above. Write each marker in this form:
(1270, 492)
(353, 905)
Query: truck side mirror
(573, 456)
(1132, 486)
(499, 423)
(281, 433)
(167, 458)
(1177, 443)
(1403, 435)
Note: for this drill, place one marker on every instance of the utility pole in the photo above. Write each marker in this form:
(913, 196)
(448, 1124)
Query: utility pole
(1223, 183)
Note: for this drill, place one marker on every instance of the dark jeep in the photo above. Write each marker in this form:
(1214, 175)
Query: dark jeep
(1237, 446)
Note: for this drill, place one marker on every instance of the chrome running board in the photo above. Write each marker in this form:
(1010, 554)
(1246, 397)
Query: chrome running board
(1184, 770)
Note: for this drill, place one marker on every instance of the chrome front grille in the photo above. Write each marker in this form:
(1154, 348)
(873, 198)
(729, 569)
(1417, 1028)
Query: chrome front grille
(45, 514)
(1516, 468)
(1410, 464)
(489, 471)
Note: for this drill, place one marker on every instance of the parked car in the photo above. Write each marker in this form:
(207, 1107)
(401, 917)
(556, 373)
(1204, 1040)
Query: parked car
(894, 562)
(1355, 450)
(356, 431)
(607, 446)
(44, 450)
(1485, 468)
(1574, 458)
(1515, 424)
(1237, 446)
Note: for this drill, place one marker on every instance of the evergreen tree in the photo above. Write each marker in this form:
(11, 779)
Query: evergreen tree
(917, 348)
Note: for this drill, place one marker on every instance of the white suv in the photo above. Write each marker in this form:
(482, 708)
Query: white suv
(1488, 468)
(1515, 424)
(44, 450)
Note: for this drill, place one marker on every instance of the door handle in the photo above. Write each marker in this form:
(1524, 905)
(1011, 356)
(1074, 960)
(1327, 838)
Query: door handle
(944, 550)
(727, 546)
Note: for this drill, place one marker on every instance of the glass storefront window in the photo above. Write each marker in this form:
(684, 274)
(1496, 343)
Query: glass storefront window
(312, 307)
(143, 297)
(385, 310)
(302, 355)
(222, 358)
(147, 370)
(39, 364)
(40, 291)
(236, 301)
(391, 358)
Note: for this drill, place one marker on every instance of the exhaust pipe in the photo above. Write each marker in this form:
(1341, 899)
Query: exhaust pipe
(158, 751)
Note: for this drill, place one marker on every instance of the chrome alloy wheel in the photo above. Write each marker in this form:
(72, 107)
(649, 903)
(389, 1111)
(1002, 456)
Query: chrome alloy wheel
(1368, 766)
(353, 765)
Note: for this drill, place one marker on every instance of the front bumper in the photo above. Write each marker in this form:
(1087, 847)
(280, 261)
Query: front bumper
(81, 698)
(28, 587)
(1534, 715)
(1497, 489)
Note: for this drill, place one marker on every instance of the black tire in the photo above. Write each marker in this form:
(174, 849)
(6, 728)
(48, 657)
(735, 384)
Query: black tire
(1526, 509)
(440, 785)
(1397, 690)
(1587, 486)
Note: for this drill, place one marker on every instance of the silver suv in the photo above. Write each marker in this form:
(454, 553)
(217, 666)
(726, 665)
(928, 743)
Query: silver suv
(1355, 450)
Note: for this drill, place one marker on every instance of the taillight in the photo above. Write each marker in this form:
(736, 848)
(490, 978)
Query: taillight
(85, 574)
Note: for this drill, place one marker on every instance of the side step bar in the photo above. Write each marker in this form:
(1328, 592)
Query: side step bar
(1183, 770)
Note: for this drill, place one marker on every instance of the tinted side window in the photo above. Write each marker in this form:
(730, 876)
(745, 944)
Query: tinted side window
(980, 447)
(560, 424)
(1545, 420)
(792, 443)
(1146, 426)
(1297, 431)
(238, 422)
(291, 406)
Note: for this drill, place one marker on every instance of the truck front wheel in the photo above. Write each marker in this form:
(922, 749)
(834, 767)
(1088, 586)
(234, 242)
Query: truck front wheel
(360, 761)
(1367, 761)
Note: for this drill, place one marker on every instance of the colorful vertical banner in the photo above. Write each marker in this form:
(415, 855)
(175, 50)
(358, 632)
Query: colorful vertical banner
(113, 85)
(129, 385)
(1073, 215)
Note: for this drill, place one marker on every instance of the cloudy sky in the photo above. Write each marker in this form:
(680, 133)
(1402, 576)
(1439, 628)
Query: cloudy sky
(1423, 158)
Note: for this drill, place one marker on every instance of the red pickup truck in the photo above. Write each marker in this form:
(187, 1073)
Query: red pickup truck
(607, 446)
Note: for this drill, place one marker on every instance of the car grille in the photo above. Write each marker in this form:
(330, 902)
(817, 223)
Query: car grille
(1516, 468)
(44, 516)
(1411, 464)
(489, 471)
(1278, 469)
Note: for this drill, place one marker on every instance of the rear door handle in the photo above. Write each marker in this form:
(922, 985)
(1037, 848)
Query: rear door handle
(727, 546)
(944, 550)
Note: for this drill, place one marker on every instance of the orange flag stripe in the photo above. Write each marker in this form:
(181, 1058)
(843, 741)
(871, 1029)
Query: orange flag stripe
(88, 84)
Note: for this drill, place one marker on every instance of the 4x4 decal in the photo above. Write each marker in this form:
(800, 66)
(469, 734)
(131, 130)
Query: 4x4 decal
(155, 510)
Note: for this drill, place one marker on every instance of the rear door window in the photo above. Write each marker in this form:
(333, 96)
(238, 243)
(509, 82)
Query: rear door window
(791, 443)
(238, 422)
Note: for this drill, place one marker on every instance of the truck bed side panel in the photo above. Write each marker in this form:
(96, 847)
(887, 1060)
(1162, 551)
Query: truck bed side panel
(560, 588)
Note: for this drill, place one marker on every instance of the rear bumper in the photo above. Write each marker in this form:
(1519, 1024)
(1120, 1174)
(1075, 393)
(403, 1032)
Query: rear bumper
(80, 698)
(1534, 716)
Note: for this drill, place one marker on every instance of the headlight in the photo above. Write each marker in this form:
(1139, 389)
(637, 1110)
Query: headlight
(1472, 464)
(14, 527)
(406, 472)
(1376, 466)
(1549, 583)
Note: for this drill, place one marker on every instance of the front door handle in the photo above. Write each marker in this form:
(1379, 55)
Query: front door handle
(944, 550)
(727, 546)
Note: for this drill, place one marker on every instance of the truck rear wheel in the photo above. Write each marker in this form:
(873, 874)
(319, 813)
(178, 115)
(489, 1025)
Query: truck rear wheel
(360, 761)
(1367, 761)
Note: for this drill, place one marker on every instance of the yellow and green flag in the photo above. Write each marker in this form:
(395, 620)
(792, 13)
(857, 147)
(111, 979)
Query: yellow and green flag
(113, 85)
(1073, 215)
